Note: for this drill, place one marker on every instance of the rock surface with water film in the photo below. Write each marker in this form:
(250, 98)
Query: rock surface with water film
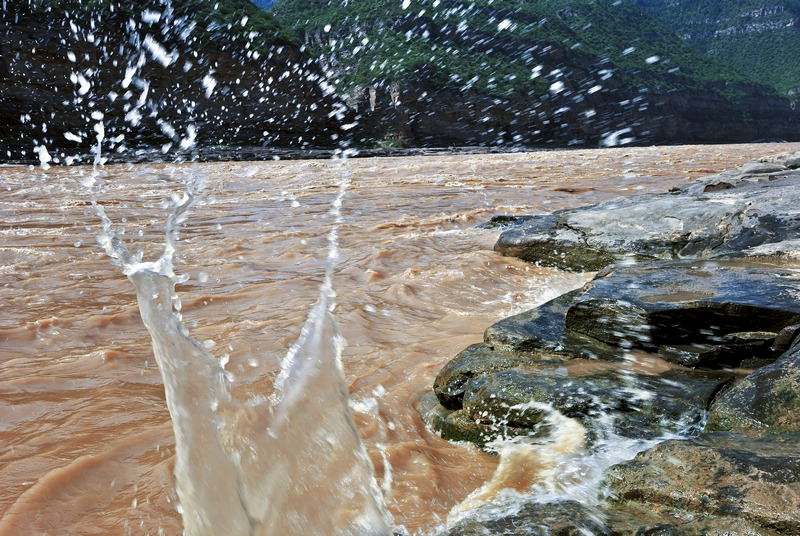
(717, 474)
(767, 402)
(705, 281)
(694, 314)
(572, 518)
(747, 212)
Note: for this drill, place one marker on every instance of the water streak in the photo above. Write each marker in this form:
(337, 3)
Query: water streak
(292, 463)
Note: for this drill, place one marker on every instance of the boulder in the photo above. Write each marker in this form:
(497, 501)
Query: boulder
(571, 518)
(745, 212)
(519, 401)
(568, 518)
(697, 313)
(693, 313)
(624, 403)
(766, 402)
(459, 425)
(477, 361)
(543, 330)
(717, 475)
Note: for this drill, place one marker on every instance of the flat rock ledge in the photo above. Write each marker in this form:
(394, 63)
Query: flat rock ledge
(690, 329)
(748, 212)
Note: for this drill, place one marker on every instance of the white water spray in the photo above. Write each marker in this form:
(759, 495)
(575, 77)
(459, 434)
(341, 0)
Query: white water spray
(289, 464)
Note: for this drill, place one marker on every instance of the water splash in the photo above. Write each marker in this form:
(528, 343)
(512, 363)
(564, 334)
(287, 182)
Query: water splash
(527, 463)
(561, 466)
(292, 463)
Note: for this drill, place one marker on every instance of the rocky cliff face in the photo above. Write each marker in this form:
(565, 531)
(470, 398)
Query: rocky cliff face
(429, 116)
(758, 38)
(504, 73)
(150, 79)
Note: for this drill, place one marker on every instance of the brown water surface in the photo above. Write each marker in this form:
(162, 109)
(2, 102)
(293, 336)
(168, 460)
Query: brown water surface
(86, 444)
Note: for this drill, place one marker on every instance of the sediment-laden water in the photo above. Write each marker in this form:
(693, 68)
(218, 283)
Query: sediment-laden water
(86, 442)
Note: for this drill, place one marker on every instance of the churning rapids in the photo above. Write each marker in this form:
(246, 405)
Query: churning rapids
(87, 444)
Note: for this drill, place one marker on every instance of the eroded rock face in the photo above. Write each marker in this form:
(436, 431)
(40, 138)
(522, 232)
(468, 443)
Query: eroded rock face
(570, 518)
(746, 212)
(718, 474)
(765, 402)
(715, 305)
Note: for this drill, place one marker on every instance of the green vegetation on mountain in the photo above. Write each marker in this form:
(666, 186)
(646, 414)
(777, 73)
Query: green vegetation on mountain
(218, 23)
(501, 47)
(759, 38)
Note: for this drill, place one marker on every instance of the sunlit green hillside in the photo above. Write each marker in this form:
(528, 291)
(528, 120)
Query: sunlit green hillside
(500, 47)
(759, 38)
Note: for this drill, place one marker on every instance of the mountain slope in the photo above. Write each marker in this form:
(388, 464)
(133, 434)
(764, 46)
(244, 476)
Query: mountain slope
(757, 37)
(510, 72)
(165, 74)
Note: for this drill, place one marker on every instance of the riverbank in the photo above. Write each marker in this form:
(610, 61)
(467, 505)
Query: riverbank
(690, 330)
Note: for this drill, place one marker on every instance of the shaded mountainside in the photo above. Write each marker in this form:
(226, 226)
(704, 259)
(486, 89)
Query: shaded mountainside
(508, 73)
(757, 37)
(181, 75)
(166, 75)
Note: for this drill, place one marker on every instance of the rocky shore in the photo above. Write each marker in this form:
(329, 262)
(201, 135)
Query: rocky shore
(689, 330)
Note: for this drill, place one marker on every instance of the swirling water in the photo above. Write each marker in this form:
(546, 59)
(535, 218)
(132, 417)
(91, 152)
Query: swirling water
(88, 444)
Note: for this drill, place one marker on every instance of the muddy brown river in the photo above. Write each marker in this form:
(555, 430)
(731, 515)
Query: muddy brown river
(86, 443)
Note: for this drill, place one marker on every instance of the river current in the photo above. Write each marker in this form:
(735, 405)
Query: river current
(86, 442)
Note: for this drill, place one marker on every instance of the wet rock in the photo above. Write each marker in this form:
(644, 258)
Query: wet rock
(570, 518)
(765, 402)
(717, 475)
(518, 401)
(543, 329)
(786, 338)
(747, 212)
(458, 425)
(477, 361)
(632, 405)
(746, 350)
(696, 312)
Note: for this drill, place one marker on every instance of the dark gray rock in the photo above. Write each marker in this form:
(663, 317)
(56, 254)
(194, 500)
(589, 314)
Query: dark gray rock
(459, 425)
(694, 313)
(747, 212)
(631, 405)
(543, 329)
(765, 402)
(718, 475)
(477, 361)
(570, 518)
(676, 304)
(518, 401)
(786, 338)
